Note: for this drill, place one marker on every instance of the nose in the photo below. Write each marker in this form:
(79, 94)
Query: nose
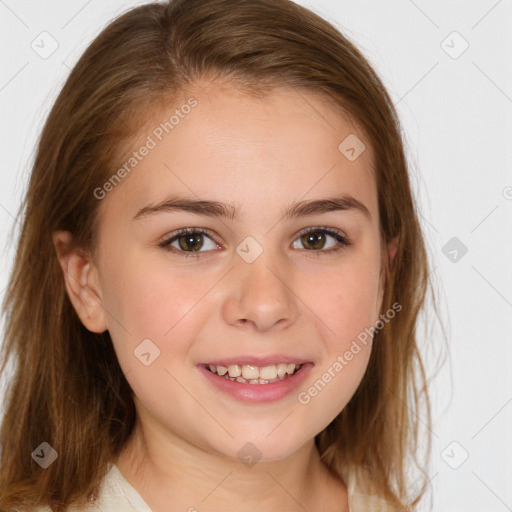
(260, 295)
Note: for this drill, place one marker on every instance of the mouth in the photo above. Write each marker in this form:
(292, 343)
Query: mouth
(252, 374)
(257, 380)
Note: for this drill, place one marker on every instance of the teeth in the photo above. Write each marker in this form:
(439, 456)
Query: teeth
(234, 370)
(269, 372)
(253, 374)
(281, 370)
(250, 372)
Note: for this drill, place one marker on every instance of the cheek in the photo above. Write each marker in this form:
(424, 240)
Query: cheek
(145, 302)
(157, 316)
(149, 298)
(333, 386)
(347, 301)
(348, 308)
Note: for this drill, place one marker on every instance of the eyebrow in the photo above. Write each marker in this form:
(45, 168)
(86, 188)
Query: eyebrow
(217, 209)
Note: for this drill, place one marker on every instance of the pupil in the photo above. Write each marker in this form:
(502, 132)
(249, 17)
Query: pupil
(191, 242)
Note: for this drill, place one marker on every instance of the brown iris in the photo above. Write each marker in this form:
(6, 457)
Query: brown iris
(315, 239)
(191, 241)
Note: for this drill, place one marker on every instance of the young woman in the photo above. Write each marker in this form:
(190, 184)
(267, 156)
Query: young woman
(218, 278)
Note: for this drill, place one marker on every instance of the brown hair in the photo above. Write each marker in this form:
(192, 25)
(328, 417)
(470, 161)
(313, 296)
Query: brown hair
(68, 388)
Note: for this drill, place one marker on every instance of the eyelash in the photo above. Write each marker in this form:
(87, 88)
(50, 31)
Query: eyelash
(342, 239)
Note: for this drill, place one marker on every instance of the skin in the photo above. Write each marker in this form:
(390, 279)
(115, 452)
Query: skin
(261, 155)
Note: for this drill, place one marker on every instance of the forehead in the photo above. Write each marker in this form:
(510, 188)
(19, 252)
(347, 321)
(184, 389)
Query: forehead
(289, 145)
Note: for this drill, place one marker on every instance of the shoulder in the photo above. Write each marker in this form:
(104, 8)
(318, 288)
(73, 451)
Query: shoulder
(116, 494)
(362, 494)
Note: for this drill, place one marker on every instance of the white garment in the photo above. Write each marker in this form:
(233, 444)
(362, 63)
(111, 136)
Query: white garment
(117, 495)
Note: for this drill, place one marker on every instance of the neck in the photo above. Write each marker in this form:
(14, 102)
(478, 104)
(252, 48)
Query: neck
(168, 471)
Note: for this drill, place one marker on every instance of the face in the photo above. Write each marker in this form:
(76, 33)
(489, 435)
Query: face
(282, 278)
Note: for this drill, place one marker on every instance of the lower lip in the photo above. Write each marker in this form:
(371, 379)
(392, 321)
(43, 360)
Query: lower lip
(258, 393)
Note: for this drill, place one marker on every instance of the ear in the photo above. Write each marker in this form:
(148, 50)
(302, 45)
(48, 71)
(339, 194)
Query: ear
(392, 249)
(81, 281)
(388, 257)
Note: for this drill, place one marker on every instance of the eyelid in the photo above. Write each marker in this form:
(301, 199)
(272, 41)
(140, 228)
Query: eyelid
(169, 238)
(330, 231)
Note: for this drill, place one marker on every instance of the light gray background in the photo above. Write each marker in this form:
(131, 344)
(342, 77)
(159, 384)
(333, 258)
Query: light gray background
(456, 110)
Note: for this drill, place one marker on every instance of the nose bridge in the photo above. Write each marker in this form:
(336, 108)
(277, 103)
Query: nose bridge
(262, 292)
(265, 273)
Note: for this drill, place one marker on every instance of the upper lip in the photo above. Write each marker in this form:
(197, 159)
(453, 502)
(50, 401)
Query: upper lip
(260, 361)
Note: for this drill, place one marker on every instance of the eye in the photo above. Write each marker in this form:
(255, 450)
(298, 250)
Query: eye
(189, 240)
(320, 239)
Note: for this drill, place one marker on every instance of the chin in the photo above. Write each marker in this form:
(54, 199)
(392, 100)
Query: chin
(259, 448)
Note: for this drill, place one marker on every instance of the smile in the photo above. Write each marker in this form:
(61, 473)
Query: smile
(250, 374)
(253, 383)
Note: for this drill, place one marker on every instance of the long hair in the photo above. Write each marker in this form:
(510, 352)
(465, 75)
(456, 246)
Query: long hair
(67, 388)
